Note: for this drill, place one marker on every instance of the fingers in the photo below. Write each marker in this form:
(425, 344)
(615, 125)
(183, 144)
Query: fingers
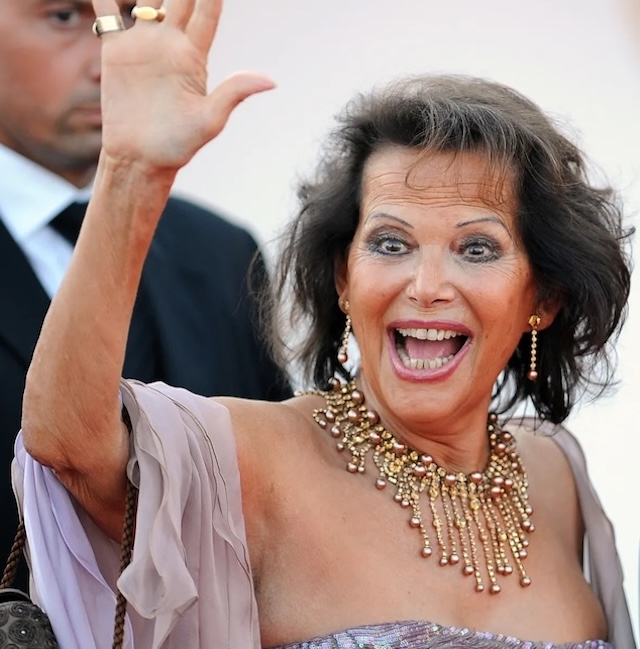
(203, 23)
(106, 7)
(231, 92)
(179, 12)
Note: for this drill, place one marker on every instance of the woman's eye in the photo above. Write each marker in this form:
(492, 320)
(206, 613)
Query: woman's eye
(388, 245)
(480, 249)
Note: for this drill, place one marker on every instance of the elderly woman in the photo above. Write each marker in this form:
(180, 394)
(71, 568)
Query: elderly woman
(452, 231)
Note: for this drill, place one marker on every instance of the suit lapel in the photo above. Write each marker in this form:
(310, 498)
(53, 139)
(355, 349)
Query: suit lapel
(23, 301)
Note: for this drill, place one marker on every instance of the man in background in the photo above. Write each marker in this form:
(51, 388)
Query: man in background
(195, 320)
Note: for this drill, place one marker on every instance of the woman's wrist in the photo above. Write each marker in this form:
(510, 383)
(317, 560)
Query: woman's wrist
(136, 173)
(130, 196)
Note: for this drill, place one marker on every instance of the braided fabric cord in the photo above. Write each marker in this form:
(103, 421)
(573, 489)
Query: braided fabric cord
(125, 559)
(17, 548)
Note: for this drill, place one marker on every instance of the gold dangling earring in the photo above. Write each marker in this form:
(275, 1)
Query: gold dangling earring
(343, 357)
(534, 321)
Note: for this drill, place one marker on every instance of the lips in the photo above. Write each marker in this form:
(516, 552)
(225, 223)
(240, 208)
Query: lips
(421, 348)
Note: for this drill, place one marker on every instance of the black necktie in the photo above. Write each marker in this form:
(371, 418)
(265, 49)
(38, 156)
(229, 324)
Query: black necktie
(143, 358)
(68, 222)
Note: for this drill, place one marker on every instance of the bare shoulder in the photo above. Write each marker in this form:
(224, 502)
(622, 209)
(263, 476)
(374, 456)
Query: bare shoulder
(260, 426)
(270, 435)
(538, 447)
(551, 478)
(272, 439)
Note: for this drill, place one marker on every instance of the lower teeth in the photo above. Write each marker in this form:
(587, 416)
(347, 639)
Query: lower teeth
(423, 363)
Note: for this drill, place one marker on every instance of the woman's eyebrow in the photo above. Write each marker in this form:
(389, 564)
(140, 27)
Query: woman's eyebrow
(482, 219)
(384, 215)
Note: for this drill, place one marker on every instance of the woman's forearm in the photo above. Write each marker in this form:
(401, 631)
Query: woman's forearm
(156, 114)
(71, 418)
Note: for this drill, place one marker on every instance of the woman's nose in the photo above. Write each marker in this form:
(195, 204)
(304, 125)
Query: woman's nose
(431, 281)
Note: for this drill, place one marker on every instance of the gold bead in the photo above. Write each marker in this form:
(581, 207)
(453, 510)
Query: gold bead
(372, 417)
(399, 448)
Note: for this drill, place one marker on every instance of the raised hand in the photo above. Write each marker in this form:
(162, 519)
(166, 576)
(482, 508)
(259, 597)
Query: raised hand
(155, 105)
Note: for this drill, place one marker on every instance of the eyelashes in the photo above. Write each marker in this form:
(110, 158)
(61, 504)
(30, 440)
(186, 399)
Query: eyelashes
(475, 248)
(387, 244)
(480, 248)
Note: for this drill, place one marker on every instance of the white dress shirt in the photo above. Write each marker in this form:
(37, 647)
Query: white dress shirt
(30, 197)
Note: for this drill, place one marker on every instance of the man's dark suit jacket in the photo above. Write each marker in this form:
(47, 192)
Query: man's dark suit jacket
(196, 283)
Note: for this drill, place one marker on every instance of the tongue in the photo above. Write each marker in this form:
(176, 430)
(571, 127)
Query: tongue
(430, 348)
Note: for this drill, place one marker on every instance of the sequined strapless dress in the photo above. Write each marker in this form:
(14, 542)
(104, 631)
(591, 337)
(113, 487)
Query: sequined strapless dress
(427, 635)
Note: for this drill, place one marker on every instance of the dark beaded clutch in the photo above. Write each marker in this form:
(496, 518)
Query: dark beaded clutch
(23, 625)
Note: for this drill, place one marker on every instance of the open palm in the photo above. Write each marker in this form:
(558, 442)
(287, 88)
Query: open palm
(155, 105)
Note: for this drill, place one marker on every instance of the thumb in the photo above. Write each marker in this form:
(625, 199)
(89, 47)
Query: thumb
(232, 91)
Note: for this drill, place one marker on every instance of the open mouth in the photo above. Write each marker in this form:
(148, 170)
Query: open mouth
(420, 349)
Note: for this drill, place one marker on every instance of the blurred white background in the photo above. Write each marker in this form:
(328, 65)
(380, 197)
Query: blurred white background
(579, 59)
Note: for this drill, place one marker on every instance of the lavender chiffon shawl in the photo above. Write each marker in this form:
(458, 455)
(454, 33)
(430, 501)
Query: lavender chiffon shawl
(189, 584)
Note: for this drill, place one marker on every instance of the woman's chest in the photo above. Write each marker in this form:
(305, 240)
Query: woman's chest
(339, 553)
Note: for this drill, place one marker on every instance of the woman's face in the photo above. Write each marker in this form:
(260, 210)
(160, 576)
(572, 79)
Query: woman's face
(439, 289)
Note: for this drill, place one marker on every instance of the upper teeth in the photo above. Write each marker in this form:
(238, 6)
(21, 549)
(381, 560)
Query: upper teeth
(429, 334)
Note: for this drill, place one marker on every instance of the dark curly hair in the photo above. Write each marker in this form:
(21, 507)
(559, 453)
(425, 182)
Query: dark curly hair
(572, 232)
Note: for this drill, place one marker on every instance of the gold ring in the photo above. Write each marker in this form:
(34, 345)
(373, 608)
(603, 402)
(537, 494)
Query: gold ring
(151, 14)
(105, 24)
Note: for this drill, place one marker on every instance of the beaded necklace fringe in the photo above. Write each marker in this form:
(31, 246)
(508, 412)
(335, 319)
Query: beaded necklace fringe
(486, 514)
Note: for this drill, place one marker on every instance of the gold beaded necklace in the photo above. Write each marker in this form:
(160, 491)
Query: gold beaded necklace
(486, 514)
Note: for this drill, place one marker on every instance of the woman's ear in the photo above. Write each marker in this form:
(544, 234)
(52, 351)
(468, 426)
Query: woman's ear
(547, 310)
(340, 274)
